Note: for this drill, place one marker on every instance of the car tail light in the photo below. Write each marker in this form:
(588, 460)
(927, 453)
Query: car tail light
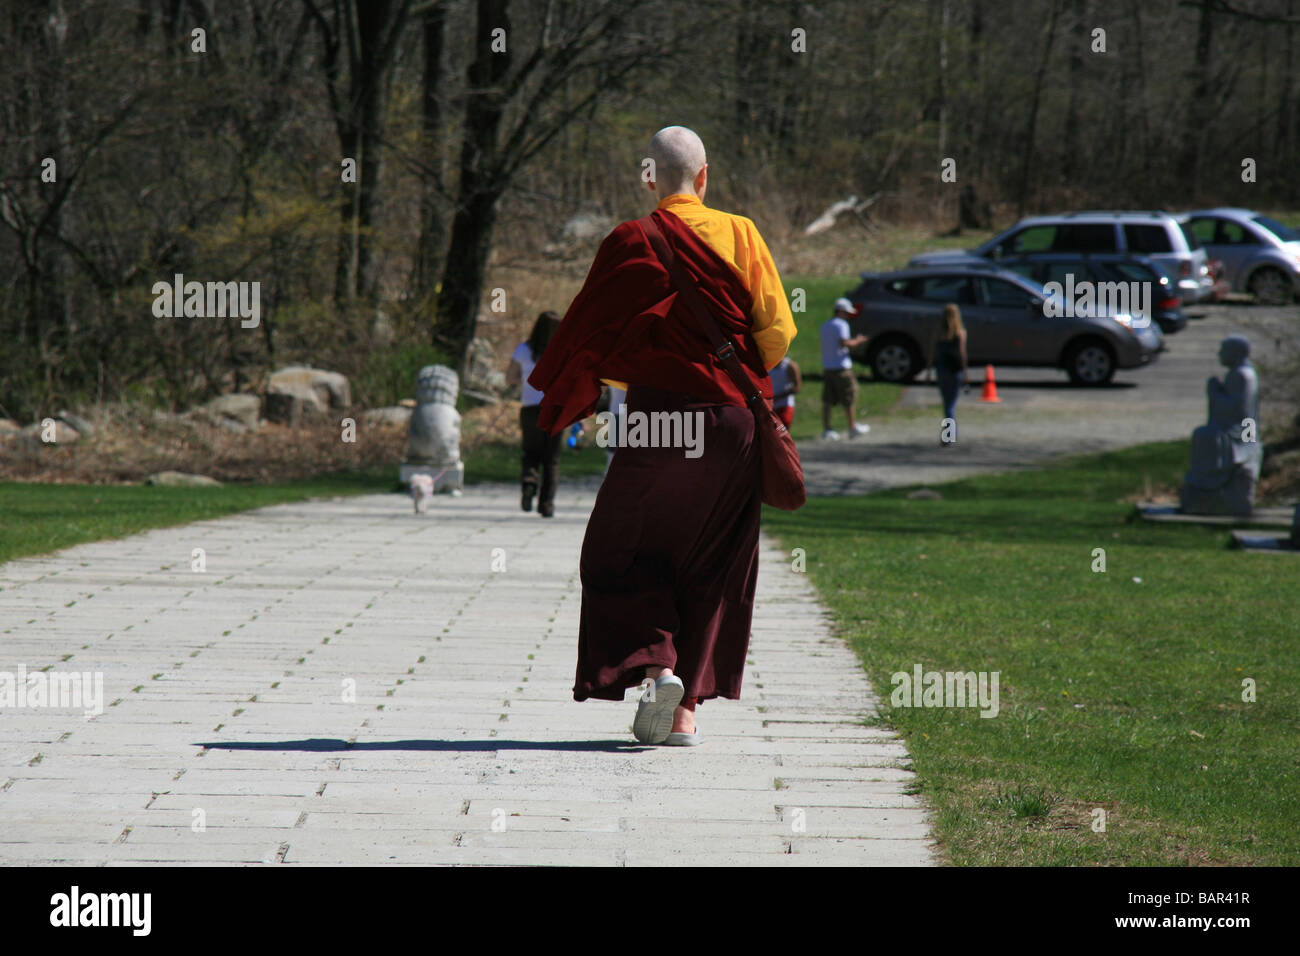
(1170, 303)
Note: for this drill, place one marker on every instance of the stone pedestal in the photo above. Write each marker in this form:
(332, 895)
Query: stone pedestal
(1234, 496)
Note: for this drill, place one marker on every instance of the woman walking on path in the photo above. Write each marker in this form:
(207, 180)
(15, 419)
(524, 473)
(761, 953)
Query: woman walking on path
(541, 451)
(950, 368)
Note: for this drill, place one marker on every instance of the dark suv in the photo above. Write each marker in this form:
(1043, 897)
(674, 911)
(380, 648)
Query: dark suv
(1009, 320)
(1161, 289)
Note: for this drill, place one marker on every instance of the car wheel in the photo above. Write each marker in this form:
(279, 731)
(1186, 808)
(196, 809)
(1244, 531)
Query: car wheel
(1270, 287)
(894, 360)
(1090, 362)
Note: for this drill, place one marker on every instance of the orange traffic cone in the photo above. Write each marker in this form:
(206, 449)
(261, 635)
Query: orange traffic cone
(990, 393)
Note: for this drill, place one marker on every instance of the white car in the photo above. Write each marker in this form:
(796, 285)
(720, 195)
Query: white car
(1259, 255)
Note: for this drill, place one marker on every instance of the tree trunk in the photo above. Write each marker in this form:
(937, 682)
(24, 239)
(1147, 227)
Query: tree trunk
(1283, 140)
(361, 121)
(1143, 100)
(1031, 131)
(456, 318)
(432, 224)
(345, 269)
(1080, 36)
(1201, 68)
(463, 273)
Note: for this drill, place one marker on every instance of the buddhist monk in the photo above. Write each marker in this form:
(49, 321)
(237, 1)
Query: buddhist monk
(670, 559)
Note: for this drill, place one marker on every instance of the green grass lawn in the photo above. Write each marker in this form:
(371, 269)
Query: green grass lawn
(1116, 694)
(40, 518)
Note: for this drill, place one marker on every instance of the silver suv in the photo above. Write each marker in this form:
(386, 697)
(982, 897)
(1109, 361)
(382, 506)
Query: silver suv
(1157, 235)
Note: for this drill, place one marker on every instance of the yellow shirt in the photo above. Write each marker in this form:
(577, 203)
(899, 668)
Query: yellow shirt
(736, 240)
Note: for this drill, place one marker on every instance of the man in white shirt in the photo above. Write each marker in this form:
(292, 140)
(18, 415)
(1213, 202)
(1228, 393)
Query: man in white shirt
(839, 386)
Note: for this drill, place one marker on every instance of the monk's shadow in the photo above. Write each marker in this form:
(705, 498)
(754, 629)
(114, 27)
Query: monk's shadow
(334, 745)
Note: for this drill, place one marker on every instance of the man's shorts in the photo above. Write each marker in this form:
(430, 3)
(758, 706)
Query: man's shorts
(839, 387)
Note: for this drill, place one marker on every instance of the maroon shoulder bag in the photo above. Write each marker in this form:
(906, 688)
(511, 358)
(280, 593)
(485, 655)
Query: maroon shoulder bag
(782, 477)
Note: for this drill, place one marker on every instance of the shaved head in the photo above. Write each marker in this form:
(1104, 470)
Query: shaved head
(678, 156)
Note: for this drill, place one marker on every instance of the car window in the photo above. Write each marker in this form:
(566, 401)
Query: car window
(1285, 233)
(943, 289)
(1193, 241)
(1029, 239)
(1202, 229)
(1132, 272)
(1235, 234)
(1005, 295)
(1085, 237)
(1147, 238)
(1029, 270)
(1060, 272)
(899, 286)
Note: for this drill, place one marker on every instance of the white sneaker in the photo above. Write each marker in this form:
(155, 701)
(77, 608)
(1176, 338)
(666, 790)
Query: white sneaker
(861, 428)
(830, 435)
(654, 711)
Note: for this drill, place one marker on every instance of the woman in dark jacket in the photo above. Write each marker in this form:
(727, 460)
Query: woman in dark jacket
(540, 450)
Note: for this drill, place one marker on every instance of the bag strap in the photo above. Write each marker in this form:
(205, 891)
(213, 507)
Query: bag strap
(723, 348)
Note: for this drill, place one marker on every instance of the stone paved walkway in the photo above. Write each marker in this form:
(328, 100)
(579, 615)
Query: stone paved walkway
(227, 737)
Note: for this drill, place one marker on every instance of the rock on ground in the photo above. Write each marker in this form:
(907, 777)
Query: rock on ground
(296, 392)
(242, 408)
(179, 479)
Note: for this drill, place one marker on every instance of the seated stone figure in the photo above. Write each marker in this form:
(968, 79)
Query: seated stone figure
(433, 441)
(1225, 464)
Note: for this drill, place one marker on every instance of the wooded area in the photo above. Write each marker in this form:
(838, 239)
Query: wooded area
(364, 160)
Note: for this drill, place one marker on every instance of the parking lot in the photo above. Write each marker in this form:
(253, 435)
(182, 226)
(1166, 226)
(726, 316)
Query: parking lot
(1042, 416)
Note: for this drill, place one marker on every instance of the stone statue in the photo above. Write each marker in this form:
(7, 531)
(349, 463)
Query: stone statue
(433, 441)
(1226, 452)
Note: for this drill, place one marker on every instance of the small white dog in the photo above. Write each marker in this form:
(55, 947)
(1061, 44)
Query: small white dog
(421, 492)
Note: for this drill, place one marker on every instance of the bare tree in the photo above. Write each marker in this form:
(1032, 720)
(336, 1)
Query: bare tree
(360, 39)
(511, 116)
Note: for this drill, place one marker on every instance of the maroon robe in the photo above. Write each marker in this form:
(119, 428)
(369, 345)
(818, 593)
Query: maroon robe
(669, 563)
